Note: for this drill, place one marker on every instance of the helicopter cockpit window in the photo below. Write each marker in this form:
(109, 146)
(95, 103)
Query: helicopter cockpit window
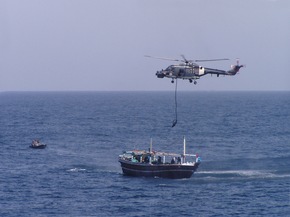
(169, 68)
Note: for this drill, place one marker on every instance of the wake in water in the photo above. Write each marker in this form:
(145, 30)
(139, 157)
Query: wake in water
(76, 170)
(244, 174)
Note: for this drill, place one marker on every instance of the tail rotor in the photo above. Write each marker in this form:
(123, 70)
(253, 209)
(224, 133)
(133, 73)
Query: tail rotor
(238, 63)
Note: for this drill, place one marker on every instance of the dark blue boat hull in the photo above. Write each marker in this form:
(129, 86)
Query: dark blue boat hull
(42, 146)
(172, 171)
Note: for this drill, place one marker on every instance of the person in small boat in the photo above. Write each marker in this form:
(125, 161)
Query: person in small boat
(179, 160)
(35, 142)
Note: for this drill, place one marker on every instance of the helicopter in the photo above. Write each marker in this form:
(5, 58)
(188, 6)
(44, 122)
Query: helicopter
(189, 69)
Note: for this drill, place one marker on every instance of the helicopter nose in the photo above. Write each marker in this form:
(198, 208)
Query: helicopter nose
(160, 74)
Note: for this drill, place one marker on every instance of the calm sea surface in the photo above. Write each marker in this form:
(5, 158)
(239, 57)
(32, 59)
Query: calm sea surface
(243, 139)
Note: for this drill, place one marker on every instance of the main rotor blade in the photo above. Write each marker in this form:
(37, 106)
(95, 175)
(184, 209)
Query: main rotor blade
(211, 60)
(162, 58)
(186, 60)
(192, 61)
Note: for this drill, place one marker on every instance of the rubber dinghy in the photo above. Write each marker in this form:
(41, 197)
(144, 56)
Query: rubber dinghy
(37, 144)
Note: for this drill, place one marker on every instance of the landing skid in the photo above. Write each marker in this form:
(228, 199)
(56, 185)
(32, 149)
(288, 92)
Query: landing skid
(195, 82)
(190, 80)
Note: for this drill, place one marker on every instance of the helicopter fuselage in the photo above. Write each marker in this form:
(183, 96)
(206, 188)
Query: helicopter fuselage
(194, 72)
(181, 71)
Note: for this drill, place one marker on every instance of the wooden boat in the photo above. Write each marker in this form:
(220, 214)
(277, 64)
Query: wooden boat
(37, 144)
(155, 164)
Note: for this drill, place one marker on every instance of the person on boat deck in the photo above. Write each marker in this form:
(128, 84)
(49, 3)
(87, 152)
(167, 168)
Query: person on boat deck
(173, 160)
(146, 160)
(134, 160)
(159, 160)
(198, 159)
(179, 160)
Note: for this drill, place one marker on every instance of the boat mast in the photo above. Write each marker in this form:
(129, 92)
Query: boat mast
(150, 151)
(184, 147)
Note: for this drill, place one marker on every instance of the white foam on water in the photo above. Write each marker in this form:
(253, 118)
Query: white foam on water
(245, 173)
(76, 170)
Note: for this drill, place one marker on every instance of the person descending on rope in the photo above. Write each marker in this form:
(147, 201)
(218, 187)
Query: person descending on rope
(175, 121)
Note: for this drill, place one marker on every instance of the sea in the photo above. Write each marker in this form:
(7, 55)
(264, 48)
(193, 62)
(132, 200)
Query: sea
(243, 139)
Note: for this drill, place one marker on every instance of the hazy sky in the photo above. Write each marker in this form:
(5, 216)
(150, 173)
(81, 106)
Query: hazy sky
(100, 44)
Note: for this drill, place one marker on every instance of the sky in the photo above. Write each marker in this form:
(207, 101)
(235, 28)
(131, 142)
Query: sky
(99, 45)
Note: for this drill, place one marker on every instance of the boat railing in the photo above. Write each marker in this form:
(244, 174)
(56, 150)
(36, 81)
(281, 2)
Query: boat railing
(155, 157)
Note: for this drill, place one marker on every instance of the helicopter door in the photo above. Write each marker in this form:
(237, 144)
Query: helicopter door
(196, 71)
(181, 72)
(201, 71)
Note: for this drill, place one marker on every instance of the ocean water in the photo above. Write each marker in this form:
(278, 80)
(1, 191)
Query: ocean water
(243, 139)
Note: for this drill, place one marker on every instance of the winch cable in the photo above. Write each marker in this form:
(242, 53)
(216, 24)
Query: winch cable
(175, 121)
